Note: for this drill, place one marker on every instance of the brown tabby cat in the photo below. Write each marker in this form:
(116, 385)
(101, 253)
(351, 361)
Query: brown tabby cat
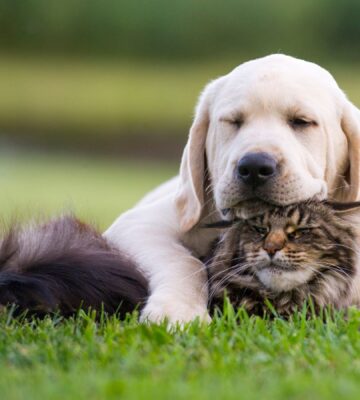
(288, 255)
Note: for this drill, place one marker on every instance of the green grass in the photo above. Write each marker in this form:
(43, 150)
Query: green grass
(236, 357)
(61, 96)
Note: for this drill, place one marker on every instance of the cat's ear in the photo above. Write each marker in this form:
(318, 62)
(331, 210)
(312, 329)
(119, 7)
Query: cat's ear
(348, 211)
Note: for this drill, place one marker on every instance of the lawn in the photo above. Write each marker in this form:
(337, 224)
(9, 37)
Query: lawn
(236, 357)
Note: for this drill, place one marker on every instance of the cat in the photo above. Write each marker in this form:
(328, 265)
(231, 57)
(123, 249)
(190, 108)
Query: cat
(285, 256)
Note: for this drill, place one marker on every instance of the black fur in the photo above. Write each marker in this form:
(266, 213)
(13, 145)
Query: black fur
(65, 265)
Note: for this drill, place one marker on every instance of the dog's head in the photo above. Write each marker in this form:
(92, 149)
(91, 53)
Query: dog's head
(277, 129)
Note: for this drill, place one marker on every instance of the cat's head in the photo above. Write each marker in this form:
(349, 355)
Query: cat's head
(285, 247)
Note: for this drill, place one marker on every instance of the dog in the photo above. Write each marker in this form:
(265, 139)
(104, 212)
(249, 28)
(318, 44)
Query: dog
(278, 129)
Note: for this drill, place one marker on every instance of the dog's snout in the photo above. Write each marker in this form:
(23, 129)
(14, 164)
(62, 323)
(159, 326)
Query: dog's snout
(256, 168)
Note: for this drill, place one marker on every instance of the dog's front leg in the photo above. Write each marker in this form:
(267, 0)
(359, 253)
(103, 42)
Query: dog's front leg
(178, 280)
(178, 292)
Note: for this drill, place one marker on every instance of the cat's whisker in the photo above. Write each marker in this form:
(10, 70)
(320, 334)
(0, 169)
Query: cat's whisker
(334, 267)
(221, 284)
(323, 258)
(230, 274)
(222, 262)
(239, 268)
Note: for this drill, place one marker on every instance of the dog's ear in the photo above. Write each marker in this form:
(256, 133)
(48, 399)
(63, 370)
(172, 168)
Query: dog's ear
(189, 199)
(350, 124)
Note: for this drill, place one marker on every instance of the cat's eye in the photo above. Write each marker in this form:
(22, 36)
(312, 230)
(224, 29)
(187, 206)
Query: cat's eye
(260, 229)
(298, 233)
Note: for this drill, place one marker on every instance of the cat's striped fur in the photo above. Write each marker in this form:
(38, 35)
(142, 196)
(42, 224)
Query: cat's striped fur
(288, 255)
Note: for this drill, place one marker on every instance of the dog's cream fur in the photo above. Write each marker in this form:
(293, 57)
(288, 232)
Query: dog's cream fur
(245, 111)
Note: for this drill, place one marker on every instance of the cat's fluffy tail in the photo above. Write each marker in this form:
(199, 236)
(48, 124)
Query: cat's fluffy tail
(63, 265)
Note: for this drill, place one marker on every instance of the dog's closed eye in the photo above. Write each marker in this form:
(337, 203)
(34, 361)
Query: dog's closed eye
(301, 122)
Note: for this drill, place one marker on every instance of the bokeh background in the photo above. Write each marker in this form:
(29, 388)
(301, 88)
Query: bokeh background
(96, 97)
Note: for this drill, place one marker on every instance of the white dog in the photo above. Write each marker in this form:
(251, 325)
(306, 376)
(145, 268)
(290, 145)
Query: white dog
(276, 128)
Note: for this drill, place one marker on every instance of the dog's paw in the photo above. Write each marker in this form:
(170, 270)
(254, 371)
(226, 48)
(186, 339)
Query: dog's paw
(173, 310)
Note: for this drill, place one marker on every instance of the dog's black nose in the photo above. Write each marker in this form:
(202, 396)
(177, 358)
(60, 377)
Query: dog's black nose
(256, 168)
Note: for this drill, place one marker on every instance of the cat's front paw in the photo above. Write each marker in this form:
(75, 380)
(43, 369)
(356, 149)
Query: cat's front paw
(174, 310)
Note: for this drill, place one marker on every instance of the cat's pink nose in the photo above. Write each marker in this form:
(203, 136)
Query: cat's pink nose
(274, 242)
(271, 251)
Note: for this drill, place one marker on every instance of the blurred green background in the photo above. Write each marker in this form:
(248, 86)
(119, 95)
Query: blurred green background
(96, 97)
